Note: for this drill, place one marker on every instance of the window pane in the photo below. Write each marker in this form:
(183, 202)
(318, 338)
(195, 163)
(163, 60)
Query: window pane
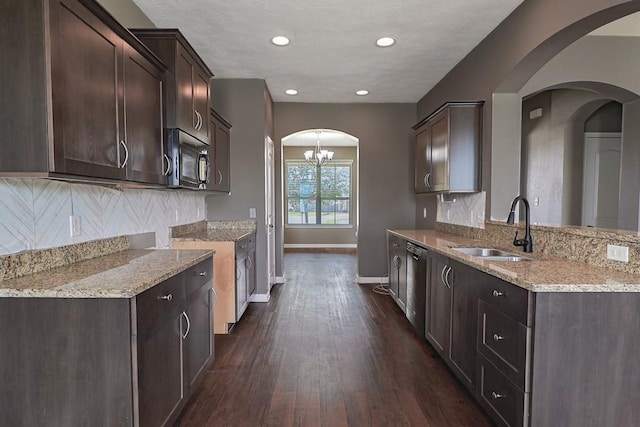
(305, 201)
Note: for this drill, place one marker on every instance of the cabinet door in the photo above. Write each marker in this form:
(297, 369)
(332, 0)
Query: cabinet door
(398, 270)
(186, 118)
(438, 317)
(143, 119)
(198, 341)
(439, 136)
(201, 104)
(464, 312)
(160, 375)
(242, 290)
(221, 140)
(86, 68)
(422, 160)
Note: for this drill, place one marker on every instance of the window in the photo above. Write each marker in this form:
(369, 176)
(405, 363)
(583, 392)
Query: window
(318, 195)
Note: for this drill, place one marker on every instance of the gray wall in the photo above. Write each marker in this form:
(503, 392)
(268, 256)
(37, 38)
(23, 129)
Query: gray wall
(535, 32)
(608, 118)
(127, 13)
(553, 153)
(246, 104)
(326, 235)
(386, 171)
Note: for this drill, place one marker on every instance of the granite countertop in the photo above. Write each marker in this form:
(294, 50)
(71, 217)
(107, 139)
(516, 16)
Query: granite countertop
(119, 275)
(213, 235)
(544, 273)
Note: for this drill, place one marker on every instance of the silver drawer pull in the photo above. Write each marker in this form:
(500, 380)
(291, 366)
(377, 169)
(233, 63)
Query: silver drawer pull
(167, 297)
(496, 395)
(497, 337)
(497, 293)
(202, 274)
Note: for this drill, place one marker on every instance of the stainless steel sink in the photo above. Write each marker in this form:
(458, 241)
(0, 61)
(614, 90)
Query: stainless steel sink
(492, 254)
(482, 252)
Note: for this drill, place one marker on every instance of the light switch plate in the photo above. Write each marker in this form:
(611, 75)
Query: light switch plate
(252, 213)
(75, 226)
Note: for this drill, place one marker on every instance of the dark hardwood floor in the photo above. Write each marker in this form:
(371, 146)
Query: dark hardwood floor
(327, 352)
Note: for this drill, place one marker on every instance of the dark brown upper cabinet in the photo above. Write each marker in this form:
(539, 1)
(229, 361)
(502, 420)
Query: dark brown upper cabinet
(187, 91)
(81, 95)
(447, 149)
(221, 163)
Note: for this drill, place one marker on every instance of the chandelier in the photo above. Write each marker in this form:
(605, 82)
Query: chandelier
(318, 157)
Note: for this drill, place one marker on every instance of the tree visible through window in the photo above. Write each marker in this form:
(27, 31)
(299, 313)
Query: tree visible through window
(318, 195)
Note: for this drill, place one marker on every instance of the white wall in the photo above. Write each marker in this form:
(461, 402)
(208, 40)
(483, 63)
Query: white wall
(34, 213)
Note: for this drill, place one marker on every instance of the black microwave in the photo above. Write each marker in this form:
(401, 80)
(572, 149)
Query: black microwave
(188, 159)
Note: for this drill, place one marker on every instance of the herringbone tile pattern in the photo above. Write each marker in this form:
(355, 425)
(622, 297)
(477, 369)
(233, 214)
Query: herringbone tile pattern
(34, 213)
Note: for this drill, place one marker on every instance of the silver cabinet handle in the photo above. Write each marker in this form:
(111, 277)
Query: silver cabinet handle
(395, 245)
(168, 160)
(167, 297)
(220, 177)
(198, 120)
(250, 262)
(446, 277)
(442, 275)
(195, 125)
(497, 337)
(427, 179)
(126, 154)
(203, 274)
(188, 325)
(497, 293)
(496, 395)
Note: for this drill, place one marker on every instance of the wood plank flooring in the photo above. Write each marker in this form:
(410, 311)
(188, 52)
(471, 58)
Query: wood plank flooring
(327, 352)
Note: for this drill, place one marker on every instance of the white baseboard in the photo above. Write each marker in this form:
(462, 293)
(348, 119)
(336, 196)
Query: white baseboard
(370, 280)
(320, 245)
(278, 280)
(260, 297)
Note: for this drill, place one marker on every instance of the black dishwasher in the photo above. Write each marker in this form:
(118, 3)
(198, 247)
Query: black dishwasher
(416, 287)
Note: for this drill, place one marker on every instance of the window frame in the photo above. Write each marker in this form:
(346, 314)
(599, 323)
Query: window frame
(318, 197)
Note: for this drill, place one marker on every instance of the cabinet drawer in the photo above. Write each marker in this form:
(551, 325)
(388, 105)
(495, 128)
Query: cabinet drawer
(503, 341)
(152, 303)
(198, 275)
(505, 402)
(509, 299)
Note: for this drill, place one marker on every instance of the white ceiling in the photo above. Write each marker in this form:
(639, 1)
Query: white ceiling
(332, 52)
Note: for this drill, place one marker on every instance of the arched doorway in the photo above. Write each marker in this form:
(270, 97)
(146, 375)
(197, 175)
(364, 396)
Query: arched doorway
(320, 208)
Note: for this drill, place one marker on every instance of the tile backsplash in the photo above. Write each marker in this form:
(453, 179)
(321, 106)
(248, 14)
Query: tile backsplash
(462, 209)
(34, 213)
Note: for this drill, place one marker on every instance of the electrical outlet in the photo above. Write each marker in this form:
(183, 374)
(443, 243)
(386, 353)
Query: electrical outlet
(177, 215)
(618, 253)
(480, 217)
(472, 217)
(75, 226)
(424, 212)
(252, 213)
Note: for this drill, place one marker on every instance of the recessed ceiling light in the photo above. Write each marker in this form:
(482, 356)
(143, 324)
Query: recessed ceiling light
(385, 41)
(280, 40)
(291, 92)
(362, 92)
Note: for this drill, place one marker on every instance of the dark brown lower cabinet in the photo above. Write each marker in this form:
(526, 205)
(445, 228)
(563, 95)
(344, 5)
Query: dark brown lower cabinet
(106, 361)
(438, 313)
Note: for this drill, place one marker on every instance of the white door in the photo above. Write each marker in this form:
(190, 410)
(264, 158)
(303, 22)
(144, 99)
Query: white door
(601, 180)
(270, 210)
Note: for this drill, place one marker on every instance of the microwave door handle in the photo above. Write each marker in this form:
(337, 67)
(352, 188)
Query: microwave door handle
(205, 179)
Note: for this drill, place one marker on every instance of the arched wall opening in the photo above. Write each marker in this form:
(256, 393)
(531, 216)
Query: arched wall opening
(320, 205)
(604, 66)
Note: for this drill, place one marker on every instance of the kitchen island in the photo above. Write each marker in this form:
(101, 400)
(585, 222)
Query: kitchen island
(234, 264)
(544, 341)
(121, 339)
